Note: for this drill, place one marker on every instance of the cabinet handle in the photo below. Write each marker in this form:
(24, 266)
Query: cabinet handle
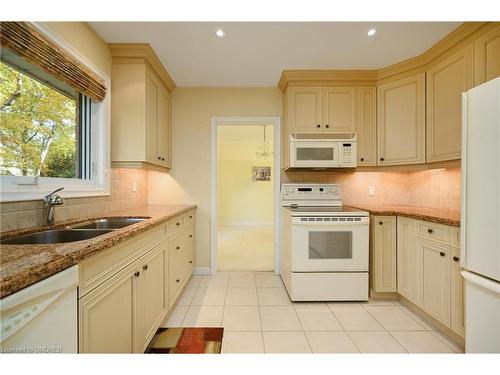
(159, 158)
(190, 236)
(429, 231)
(190, 262)
(178, 280)
(145, 267)
(456, 259)
(327, 126)
(177, 224)
(380, 223)
(177, 248)
(190, 216)
(137, 274)
(162, 159)
(362, 159)
(318, 126)
(442, 253)
(381, 159)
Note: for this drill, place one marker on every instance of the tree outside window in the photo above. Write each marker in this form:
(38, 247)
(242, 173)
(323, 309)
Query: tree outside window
(38, 132)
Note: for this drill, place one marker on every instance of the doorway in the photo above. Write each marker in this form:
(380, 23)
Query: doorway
(245, 194)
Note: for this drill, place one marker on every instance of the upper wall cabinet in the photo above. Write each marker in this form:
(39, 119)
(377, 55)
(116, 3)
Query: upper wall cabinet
(446, 81)
(487, 56)
(366, 125)
(140, 108)
(401, 121)
(328, 109)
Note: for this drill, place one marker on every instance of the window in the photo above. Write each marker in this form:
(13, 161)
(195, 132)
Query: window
(43, 129)
(51, 135)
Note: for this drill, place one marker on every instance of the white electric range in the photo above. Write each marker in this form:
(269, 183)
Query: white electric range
(324, 245)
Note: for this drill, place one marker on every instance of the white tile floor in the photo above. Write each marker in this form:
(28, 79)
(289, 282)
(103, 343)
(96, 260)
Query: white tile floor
(258, 317)
(245, 247)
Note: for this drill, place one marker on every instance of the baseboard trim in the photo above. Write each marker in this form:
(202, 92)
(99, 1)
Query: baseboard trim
(202, 271)
(383, 295)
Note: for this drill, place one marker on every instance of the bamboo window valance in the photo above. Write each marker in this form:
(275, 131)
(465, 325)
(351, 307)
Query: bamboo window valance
(28, 43)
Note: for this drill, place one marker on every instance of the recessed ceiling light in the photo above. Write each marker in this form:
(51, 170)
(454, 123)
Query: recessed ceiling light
(219, 33)
(371, 32)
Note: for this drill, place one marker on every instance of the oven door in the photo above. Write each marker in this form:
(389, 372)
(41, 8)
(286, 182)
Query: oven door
(328, 244)
(313, 154)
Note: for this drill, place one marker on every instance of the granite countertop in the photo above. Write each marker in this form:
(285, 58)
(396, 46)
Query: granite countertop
(23, 265)
(434, 215)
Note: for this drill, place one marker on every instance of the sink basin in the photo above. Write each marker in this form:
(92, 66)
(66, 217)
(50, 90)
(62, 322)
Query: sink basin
(55, 236)
(110, 223)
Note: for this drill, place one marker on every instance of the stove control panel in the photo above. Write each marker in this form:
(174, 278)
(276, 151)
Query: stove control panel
(310, 192)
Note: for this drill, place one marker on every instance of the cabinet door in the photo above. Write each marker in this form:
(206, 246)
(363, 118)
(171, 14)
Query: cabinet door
(457, 294)
(305, 109)
(366, 125)
(109, 315)
(446, 81)
(152, 93)
(487, 56)
(164, 128)
(153, 294)
(409, 266)
(384, 254)
(401, 121)
(435, 278)
(338, 109)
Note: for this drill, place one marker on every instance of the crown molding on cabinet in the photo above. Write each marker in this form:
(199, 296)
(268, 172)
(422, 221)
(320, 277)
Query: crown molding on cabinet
(327, 78)
(127, 52)
(462, 34)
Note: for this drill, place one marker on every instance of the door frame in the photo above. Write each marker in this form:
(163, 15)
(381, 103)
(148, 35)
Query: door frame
(216, 121)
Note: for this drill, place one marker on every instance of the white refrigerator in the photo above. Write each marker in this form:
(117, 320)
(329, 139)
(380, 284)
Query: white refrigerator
(480, 222)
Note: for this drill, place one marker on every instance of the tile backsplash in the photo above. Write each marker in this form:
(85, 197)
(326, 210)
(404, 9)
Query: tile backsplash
(19, 215)
(432, 188)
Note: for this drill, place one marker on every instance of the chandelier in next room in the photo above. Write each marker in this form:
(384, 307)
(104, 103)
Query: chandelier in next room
(263, 149)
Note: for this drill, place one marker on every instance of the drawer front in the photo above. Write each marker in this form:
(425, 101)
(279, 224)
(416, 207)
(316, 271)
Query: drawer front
(432, 231)
(455, 236)
(180, 247)
(188, 219)
(176, 281)
(175, 225)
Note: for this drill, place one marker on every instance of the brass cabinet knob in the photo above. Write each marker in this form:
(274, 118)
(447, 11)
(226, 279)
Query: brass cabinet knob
(381, 159)
(442, 253)
(137, 274)
(456, 259)
(190, 262)
(177, 248)
(429, 231)
(159, 157)
(190, 236)
(318, 126)
(178, 280)
(327, 126)
(380, 223)
(145, 267)
(362, 159)
(177, 224)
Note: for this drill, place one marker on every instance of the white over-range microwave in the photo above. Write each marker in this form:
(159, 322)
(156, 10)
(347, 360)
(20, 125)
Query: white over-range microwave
(323, 150)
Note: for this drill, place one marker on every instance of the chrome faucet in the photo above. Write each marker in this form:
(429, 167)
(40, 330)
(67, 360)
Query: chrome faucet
(49, 201)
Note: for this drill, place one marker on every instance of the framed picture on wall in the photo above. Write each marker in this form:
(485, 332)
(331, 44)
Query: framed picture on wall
(261, 173)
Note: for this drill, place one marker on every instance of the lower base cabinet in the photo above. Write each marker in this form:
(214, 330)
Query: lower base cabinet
(122, 314)
(435, 278)
(383, 254)
(457, 318)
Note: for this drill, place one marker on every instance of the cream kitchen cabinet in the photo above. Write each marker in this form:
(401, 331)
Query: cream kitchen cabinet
(487, 55)
(140, 108)
(457, 321)
(401, 121)
(127, 291)
(383, 254)
(446, 81)
(366, 125)
(320, 109)
(434, 278)
(408, 263)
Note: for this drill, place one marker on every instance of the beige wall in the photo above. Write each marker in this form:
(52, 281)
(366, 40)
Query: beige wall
(189, 178)
(85, 40)
(242, 200)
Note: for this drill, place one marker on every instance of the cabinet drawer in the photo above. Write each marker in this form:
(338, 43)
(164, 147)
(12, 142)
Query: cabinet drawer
(176, 281)
(180, 246)
(455, 236)
(174, 225)
(436, 232)
(188, 219)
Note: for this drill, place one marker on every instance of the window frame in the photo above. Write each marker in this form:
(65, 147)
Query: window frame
(22, 188)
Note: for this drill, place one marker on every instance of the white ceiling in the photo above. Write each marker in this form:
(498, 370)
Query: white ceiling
(255, 53)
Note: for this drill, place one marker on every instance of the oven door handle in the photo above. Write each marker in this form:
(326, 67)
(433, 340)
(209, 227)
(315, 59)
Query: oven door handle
(325, 223)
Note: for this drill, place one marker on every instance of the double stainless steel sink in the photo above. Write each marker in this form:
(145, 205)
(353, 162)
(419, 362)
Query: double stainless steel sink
(76, 232)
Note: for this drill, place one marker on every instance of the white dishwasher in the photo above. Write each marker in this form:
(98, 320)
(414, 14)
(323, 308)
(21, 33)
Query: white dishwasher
(43, 317)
